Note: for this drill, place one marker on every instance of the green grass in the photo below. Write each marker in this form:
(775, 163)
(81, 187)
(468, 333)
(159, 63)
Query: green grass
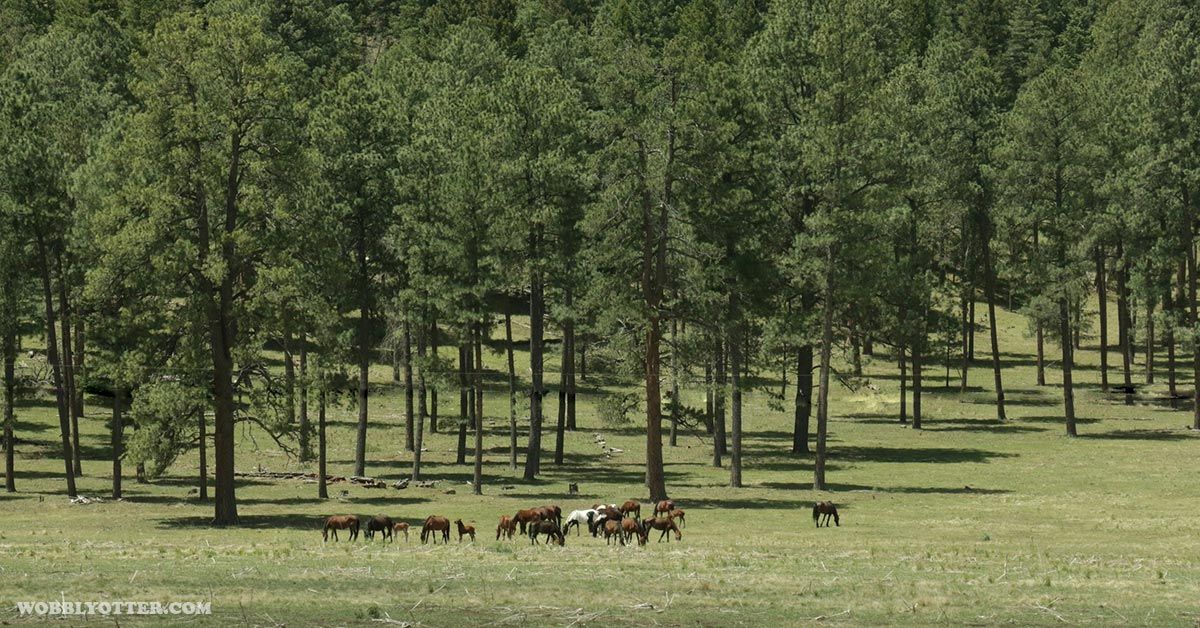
(1101, 529)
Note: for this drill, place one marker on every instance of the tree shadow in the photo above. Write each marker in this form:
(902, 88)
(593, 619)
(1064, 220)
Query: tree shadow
(1057, 420)
(993, 427)
(1148, 435)
(942, 455)
(251, 522)
(920, 490)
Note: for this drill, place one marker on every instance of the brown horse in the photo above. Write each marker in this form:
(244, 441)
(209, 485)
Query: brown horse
(678, 514)
(553, 513)
(630, 527)
(548, 528)
(828, 510)
(666, 525)
(432, 526)
(382, 524)
(665, 507)
(507, 527)
(632, 506)
(464, 530)
(401, 527)
(610, 512)
(612, 527)
(340, 522)
(527, 516)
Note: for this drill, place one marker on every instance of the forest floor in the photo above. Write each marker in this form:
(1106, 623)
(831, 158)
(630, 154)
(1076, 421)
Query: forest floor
(968, 521)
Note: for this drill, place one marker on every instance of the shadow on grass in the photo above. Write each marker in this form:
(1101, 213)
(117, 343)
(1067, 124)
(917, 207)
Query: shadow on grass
(1150, 435)
(251, 522)
(1057, 420)
(944, 455)
(908, 490)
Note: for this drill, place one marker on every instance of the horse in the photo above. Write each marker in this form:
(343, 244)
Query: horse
(581, 517)
(527, 516)
(507, 526)
(464, 530)
(678, 514)
(548, 528)
(434, 524)
(400, 527)
(666, 525)
(632, 506)
(827, 509)
(630, 527)
(553, 513)
(612, 528)
(611, 511)
(382, 524)
(340, 522)
(665, 507)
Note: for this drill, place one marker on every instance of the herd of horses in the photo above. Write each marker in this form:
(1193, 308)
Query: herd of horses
(617, 524)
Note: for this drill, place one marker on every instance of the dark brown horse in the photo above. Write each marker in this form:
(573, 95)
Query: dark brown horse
(610, 512)
(547, 527)
(464, 530)
(666, 525)
(630, 528)
(632, 507)
(527, 516)
(553, 513)
(678, 515)
(506, 527)
(828, 510)
(401, 527)
(612, 528)
(665, 507)
(382, 524)
(432, 526)
(340, 522)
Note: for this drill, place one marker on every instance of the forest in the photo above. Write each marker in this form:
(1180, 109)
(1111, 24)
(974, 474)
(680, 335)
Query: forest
(223, 215)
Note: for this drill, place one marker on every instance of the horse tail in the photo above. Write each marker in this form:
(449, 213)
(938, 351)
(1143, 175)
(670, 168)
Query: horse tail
(816, 513)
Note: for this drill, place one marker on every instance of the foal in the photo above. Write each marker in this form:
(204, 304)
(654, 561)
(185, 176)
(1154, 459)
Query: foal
(464, 530)
(828, 510)
(678, 514)
(401, 527)
(612, 527)
(548, 528)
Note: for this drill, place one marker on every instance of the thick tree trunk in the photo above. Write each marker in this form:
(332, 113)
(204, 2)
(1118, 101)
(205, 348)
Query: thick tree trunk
(719, 407)
(68, 364)
(1192, 279)
(305, 426)
(533, 450)
(1102, 298)
(803, 410)
(1149, 341)
(422, 408)
(1064, 322)
(322, 469)
(409, 391)
(654, 281)
(478, 482)
(118, 435)
(202, 480)
(1041, 355)
(1123, 321)
(735, 454)
(823, 386)
(989, 288)
(10, 382)
(64, 419)
(512, 393)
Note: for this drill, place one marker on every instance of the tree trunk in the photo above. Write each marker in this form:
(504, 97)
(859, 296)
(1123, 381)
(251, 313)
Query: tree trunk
(1169, 340)
(64, 419)
(966, 362)
(1191, 262)
(719, 407)
(10, 381)
(989, 288)
(512, 394)
(118, 431)
(735, 457)
(823, 387)
(1102, 297)
(533, 450)
(422, 408)
(1041, 355)
(903, 385)
(918, 349)
(409, 391)
(569, 338)
(855, 351)
(708, 396)
(305, 426)
(433, 391)
(364, 373)
(561, 425)
(466, 400)
(971, 327)
(202, 480)
(674, 438)
(1123, 321)
(1149, 341)
(322, 469)
(68, 364)
(477, 489)
(1064, 323)
(803, 410)
(79, 380)
(654, 281)
(289, 376)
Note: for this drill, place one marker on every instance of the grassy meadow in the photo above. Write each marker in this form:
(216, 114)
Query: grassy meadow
(967, 522)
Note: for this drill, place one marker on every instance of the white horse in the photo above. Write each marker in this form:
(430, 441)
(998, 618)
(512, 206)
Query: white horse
(585, 517)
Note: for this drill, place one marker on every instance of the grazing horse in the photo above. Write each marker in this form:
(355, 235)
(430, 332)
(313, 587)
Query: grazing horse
(528, 516)
(578, 518)
(678, 514)
(630, 527)
(548, 528)
(507, 526)
(666, 525)
(828, 510)
(401, 527)
(610, 511)
(665, 507)
(340, 522)
(632, 506)
(432, 526)
(464, 530)
(382, 524)
(553, 513)
(612, 527)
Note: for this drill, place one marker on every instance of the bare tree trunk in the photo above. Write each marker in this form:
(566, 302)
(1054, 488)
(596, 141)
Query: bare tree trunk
(1041, 356)
(903, 385)
(823, 387)
(708, 396)
(422, 408)
(674, 438)
(1169, 340)
(117, 441)
(512, 394)
(305, 426)
(64, 418)
(917, 368)
(989, 286)
(803, 410)
(10, 381)
(1123, 321)
(971, 327)
(1191, 263)
(855, 350)
(735, 457)
(1064, 323)
(533, 450)
(1102, 297)
(477, 487)
(965, 354)
(289, 376)
(364, 373)
(68, 366)
(322, 469)
(433, 391)
(467, 396)
(202, 480)
(719, 407)
(1149, 341)
(409, 390)
(561, 425)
